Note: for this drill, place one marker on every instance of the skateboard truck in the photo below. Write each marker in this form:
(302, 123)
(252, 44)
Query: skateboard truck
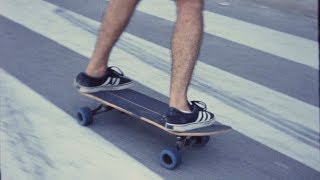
(170, 158)
(193, 141)
(101, 109)
(85, 114)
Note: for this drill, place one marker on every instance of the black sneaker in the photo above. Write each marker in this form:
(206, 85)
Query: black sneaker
(113, 80)
(197, 118)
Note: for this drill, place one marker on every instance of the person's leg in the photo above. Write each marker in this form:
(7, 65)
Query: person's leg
(98, 76)
(116, 18)
(186, 42)
(182, 115)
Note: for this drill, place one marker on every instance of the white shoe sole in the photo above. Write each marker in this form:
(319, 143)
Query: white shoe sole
(85, 89)
(189, 126)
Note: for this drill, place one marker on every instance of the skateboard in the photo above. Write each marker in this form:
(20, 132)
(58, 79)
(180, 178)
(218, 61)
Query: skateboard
(150, 111)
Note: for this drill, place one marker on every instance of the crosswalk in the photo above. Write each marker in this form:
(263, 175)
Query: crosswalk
(289, 125)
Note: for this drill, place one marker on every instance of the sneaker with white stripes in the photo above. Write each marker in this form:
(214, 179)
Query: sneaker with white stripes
(199, 117)
(113, 80)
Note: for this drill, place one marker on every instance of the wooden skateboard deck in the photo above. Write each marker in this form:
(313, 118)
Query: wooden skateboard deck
(148, 109)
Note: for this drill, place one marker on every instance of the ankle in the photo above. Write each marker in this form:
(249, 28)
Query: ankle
(180, 105)
(97, 72)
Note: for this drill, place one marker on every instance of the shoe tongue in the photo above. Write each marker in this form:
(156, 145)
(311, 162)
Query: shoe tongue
(191, 106)
(115, 70)
(199, 104)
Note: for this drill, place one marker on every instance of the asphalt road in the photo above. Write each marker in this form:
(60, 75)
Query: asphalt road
(258, 70)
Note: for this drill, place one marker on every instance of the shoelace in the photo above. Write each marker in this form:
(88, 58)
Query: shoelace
(200, 104)
(117, 70)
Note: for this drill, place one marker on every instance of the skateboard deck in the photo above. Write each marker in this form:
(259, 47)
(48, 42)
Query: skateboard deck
(149, 110)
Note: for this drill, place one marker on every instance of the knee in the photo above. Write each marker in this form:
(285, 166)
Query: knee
(189, 8)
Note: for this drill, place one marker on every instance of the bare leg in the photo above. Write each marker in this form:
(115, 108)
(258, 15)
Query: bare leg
(115, 19)
(186, 43)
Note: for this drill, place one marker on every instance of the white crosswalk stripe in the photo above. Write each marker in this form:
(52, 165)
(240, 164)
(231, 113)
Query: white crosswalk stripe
(243, 119)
